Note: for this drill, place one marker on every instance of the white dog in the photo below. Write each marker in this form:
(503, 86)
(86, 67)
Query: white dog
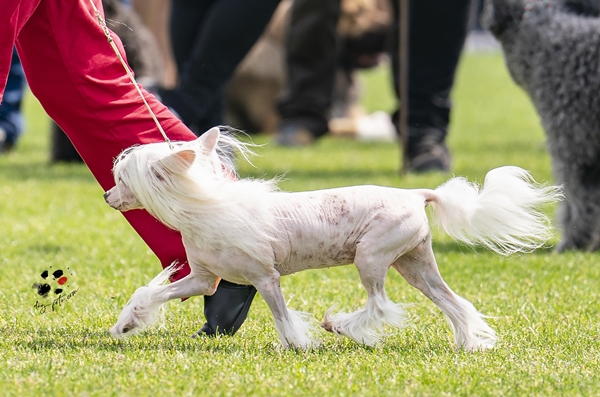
(248, 232)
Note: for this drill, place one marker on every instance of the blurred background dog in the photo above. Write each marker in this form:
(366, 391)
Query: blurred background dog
(552, 50)
(363, 30)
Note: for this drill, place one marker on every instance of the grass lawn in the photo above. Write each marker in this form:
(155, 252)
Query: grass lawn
(544, 306)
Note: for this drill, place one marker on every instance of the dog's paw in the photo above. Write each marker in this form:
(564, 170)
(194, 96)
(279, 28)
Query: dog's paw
(328, 324)
(120, 331)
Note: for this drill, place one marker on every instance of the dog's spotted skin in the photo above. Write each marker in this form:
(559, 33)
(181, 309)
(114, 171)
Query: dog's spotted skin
(247, 232)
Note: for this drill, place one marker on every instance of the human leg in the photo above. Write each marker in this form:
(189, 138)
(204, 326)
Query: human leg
(11, 120)
(15, 13)
(209, 40)
(82, 85)
(155, 15)
(437, 33)
(311, 60)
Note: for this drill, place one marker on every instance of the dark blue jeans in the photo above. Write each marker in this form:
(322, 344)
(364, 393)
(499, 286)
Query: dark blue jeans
(11, 120)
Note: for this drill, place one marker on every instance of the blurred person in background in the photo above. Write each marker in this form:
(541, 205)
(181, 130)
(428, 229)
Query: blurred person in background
(438, 30)
(11, 119)
(209, 39)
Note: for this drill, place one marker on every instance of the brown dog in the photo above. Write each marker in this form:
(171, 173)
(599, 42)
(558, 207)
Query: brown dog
(259, 79)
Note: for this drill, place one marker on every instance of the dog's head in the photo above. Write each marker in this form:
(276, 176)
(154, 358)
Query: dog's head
(519, 26)
(146, 176)
(532, 32)
(503, 17)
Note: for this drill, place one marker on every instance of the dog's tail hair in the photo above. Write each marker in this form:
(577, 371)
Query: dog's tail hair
(504, 215)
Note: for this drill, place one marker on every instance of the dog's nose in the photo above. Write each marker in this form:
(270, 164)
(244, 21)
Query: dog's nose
(105, 195)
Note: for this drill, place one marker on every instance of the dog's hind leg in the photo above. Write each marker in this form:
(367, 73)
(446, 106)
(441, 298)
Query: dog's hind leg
(293, 327)
(420, 269)
(144, 307)
(366, 325)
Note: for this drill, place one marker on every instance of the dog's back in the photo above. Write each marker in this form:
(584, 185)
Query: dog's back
(323, 228)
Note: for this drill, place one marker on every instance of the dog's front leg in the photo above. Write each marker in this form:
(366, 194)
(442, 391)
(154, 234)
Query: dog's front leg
(144, 306)
(293, 328)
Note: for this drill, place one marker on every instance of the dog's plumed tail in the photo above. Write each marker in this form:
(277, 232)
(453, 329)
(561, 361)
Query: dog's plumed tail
(504, 215)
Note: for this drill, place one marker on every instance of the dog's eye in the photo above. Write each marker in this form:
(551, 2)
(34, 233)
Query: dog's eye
(158, 176)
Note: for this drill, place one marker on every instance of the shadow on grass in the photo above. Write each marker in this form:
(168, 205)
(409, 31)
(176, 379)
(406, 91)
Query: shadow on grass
(46, 172)
(66, 340)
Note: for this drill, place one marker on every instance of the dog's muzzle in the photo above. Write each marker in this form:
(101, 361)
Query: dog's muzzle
(105, 195)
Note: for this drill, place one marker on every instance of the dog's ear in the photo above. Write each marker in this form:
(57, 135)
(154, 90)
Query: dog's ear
(209, 140)
(178, 162)
(499, 15)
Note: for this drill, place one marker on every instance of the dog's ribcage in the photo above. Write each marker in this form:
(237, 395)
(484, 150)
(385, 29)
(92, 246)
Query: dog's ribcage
(323, 228)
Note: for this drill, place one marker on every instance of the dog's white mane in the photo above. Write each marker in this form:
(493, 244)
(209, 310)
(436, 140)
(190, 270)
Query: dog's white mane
(203, 201)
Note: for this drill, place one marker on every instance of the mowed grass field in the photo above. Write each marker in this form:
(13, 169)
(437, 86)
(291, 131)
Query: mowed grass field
(544, 306)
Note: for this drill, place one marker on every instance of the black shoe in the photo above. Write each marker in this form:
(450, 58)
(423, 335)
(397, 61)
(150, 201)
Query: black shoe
(427, 151)
(61, 148)
(226, 309)
(291, 135)
(2, 140)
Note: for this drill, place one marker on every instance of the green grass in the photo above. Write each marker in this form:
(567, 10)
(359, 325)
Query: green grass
(544, 306)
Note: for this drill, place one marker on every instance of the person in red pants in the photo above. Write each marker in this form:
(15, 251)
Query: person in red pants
(73, 71)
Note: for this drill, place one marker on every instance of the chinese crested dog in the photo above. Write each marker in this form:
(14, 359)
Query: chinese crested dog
(248, 232)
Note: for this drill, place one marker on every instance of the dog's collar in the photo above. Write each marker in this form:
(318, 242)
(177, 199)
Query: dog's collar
(529, 6)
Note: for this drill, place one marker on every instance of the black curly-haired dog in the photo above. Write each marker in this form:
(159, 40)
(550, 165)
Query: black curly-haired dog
(552, 50)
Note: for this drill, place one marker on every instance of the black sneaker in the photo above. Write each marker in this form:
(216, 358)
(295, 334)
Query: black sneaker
(2, 139)
(227, 309)
(292, 135)
(427, 151)
(5, 144)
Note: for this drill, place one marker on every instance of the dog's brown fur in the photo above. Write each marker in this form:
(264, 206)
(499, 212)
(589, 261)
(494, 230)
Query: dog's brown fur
(258, 81)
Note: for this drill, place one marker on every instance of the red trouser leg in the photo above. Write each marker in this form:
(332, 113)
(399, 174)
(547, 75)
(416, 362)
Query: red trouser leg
(13, 15)
(73, 71)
